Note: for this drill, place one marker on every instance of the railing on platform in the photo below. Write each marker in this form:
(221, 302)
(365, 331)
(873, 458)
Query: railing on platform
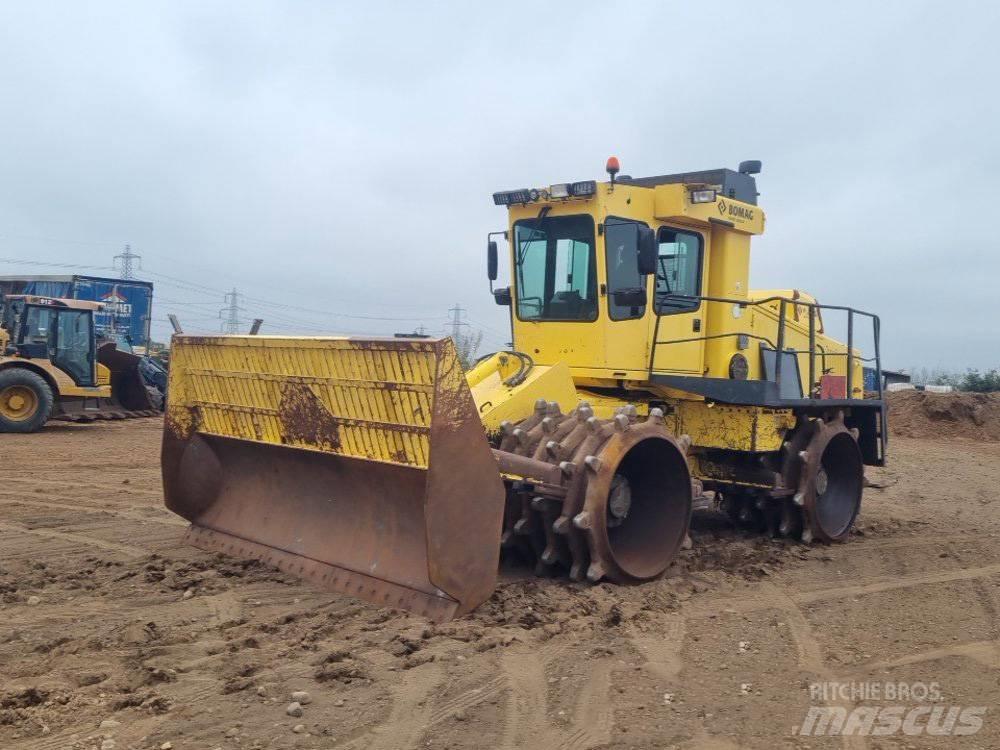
(779, 345)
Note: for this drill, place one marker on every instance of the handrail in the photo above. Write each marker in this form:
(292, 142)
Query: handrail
(779, 347)
(754, 302)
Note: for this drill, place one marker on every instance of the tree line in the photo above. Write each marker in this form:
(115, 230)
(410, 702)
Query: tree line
(971, 380)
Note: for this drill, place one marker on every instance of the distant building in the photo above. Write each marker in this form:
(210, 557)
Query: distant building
(889, 377)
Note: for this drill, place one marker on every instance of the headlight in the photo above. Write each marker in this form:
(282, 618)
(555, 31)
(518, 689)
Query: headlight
(703, 196)
(510, 197)
(559, 191)
(739, 368)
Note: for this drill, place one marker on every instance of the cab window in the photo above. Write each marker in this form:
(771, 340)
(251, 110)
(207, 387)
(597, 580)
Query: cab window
(37, 325)
(678, 271)
(621, 253)
(554, 272)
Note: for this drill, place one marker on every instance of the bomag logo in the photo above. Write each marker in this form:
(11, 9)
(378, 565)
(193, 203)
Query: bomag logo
(739, 213)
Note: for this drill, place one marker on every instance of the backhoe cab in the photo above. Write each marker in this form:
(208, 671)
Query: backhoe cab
(645, 380)
(53, 367)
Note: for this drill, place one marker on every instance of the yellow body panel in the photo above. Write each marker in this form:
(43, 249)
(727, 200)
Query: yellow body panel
(498, 402)
(254, 388)
(61, 383)
(673, 204)
(737, 428)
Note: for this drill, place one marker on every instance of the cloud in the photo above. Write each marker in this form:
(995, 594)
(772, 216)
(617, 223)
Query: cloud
(341, 158)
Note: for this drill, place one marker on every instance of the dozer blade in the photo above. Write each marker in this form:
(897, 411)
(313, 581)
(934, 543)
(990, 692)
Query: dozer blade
(359, 464)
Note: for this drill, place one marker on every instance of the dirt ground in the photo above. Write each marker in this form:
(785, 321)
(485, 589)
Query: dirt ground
(112, 635)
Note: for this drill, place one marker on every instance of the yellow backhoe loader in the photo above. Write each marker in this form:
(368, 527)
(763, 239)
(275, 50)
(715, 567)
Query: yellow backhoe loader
(53, 367)
(645, 380)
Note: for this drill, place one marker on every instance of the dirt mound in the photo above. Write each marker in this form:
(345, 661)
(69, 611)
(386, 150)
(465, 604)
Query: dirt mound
(929, 415)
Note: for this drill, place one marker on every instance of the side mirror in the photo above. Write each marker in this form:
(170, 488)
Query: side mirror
(491, 260)
(648, 251)
(502, 296)
(634, 296)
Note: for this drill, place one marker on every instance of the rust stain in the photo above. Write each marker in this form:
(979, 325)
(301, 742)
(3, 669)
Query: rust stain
(181, 422)
(304, 418)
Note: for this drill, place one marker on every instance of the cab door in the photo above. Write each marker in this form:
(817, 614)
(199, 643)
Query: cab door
(679, 344)
(626, 293)
(71, 349)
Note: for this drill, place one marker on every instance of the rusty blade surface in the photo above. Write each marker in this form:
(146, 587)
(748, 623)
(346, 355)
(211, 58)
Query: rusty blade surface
(420, 532)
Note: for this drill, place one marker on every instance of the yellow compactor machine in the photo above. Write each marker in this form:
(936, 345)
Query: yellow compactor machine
(645, 380)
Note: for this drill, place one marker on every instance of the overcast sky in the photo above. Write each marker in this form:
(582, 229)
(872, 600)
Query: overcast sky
(342, 157)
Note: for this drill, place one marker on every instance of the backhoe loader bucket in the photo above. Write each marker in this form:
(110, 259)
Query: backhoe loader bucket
(128, 389)
(360, 464)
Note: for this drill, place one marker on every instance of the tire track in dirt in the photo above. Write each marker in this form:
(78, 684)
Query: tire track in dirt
(810, 653)
(222, 608)
(593, 716)
(714, 605)
(486, 691)
(897, 582)
(213, 610)
(467, 700)
(410, 709)
(662, 650)
(986, 653)
(73, 488)
(73, 738)
(131, 513)
(124, 549)
(408, 717)
(527, 723)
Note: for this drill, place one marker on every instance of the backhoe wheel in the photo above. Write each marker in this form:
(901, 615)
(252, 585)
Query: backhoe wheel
(25, 400)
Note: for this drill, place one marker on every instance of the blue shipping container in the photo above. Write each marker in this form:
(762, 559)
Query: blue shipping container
(130, 302)
(871, 379)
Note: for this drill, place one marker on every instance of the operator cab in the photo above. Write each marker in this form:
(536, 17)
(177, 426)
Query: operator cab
(610, 278)
(58, 330)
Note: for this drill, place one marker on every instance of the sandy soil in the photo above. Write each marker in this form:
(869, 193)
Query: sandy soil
(105, 618)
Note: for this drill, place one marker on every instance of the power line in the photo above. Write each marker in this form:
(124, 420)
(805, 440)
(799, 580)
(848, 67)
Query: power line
(258, 301)
(489, 329)
(330, 313)
(18, 261)
(273, 311)
(58, 240)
